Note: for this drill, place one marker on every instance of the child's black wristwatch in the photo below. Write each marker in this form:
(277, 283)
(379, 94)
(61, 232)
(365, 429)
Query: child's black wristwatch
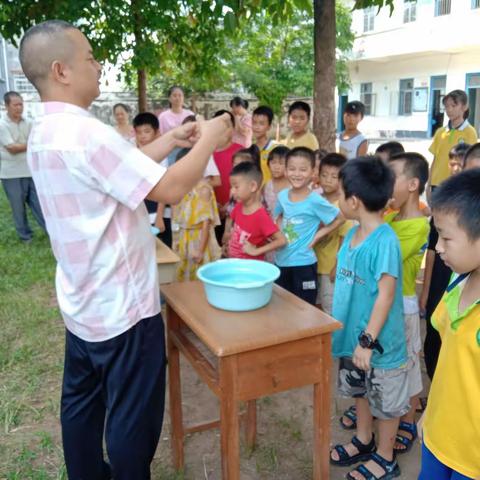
(365, 340)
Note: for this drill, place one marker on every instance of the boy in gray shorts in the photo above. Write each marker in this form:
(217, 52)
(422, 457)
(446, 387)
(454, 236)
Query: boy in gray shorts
(368, 301)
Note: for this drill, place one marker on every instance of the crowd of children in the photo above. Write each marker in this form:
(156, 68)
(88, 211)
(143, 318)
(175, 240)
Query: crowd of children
(349, 233)
(107, 292)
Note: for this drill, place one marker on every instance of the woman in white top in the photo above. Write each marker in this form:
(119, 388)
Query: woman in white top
(121, 113)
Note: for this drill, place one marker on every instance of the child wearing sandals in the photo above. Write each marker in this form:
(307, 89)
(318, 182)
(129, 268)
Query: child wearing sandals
(412, 229)
(371, 347)
(451, 429)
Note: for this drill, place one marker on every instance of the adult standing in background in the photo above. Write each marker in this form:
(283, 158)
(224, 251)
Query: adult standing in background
(121, 113)
(243, 122)
(14, 172)
(169, 119)
(174, 116)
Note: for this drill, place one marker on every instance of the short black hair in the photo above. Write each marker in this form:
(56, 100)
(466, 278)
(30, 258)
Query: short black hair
(248, 169)
(303, 152)
(299, 105)
(459, 195)
(250, 154)
(471, 153)
(459, 150)
(218, 113)
(414, 166)
(238, 102)
(265, 111)
(7, 98)
(355, 107)
(333, 160)
(189, 118)
(368, 179)
(279, 151)
(146, 118)
(391, 148)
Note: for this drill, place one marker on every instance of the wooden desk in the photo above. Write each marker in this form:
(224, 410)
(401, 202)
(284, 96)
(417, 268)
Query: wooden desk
(167, 261)
(285, 345)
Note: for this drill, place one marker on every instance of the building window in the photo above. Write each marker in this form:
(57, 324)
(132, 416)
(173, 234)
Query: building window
(442, 7)
(475, 3)
(409, 11)
(366, 97)
(21, 84)
(406, 96)
(368, 19)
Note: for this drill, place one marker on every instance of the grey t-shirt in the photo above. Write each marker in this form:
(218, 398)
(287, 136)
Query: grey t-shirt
(349, 147)
(13, 165)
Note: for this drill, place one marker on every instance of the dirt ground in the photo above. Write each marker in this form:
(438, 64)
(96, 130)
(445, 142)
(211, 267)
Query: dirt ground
(284, 437)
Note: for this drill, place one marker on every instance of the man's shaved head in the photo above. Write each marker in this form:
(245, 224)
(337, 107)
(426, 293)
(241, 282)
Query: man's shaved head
(43, 44)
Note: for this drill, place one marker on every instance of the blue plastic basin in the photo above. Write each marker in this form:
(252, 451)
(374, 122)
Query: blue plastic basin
(238, 285)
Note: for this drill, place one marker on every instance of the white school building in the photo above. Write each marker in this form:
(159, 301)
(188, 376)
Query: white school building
(402, 65)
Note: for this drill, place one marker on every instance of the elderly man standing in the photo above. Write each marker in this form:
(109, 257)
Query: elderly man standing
(14, 172)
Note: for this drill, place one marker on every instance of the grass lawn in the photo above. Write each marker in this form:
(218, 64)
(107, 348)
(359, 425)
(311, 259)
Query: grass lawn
(31, 356)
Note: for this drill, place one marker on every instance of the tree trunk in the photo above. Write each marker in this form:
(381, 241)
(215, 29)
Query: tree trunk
(142, 90)
(324, 76)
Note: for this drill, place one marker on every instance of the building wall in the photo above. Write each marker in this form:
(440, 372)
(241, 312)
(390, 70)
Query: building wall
(429, 46)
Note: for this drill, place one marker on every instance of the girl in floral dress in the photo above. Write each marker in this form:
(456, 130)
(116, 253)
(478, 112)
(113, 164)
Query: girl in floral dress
(193, 222)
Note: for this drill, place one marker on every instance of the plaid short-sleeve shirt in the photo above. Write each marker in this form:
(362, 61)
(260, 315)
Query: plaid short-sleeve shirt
(91, 184)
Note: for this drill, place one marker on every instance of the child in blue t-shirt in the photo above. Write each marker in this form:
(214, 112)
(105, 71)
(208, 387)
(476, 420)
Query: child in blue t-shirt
(368, 301)
(300, 212)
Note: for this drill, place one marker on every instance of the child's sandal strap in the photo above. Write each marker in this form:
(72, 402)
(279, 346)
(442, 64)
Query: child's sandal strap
(364, 447)
(391, 469)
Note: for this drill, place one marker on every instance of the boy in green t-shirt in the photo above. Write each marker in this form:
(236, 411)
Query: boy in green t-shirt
(412, 228)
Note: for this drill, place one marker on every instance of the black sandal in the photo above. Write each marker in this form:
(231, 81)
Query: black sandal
(351, 414)
(391, 469)
(345, 459)
(410, 428)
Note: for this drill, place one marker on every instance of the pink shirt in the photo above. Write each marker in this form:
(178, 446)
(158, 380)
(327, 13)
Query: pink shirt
(169, 120)
(245, 140)
(91, 184)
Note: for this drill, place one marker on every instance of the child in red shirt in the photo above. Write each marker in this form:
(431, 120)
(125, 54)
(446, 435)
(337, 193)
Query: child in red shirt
(254, 233)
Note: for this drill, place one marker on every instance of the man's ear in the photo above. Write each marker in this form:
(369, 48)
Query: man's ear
(60, 72)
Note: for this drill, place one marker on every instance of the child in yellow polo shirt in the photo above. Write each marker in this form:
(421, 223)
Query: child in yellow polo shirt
(458, 130)
(327, 249)
(451, 426)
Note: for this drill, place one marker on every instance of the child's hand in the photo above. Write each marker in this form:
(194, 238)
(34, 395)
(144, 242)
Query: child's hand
(197, 256)
(333, 274)
(160, 224)
(361, 358)
(321, 234)
(250, 249)
(422, 301)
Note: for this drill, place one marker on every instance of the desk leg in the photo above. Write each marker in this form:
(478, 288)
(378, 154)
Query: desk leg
(229, 429)
(175, 392)
(321, 415)
(251, 424)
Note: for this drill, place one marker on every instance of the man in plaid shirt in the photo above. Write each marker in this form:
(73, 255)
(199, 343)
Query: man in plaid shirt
(91, 185)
